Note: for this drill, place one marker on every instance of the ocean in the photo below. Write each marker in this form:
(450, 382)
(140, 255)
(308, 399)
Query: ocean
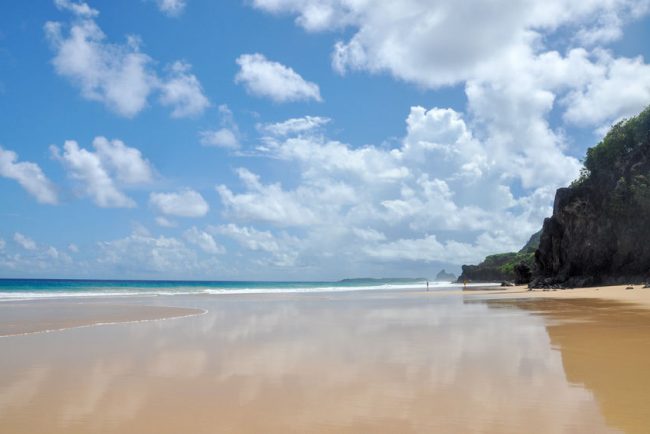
(25, 289)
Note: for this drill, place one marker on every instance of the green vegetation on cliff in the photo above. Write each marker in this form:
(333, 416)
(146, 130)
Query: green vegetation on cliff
(501, 266)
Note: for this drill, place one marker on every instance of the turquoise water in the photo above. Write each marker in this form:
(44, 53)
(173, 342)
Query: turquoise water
(55, 288)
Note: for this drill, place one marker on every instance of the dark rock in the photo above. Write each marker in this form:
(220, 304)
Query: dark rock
(629, 287)
(523, 274)
(506, 283)
(599, 232)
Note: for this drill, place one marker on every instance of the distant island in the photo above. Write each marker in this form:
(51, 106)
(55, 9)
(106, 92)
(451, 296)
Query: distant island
(443, 276)
(599, 232)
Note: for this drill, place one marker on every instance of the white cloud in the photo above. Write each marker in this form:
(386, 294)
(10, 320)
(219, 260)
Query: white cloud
(307, 124)
(24, 241)
(225, 137)
(143, 254)
(33, 258)
(368, 234)
(221, 138)
(283, 250)
(183, 92)
(203, 240)
(620, 88)
(172, 8)
(165, 222)
(426, 41)
(270, 203)
(250, 238)
(77, 8)
(118, 75)
(439, 196)
(93, 170)
(128, 163)
(29, 176)
(73, 248)
(187, 203)
(265, 78)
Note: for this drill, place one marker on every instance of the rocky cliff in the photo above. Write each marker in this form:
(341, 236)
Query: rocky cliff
(600, 228)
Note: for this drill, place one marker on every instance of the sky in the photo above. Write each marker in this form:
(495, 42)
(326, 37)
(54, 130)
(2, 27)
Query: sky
(298, 139)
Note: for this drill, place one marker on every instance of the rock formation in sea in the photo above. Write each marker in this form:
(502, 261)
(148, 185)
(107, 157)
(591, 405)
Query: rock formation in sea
(600, 228)
(443, 276)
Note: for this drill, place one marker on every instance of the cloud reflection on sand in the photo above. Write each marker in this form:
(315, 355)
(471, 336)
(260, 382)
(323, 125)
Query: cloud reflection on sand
(345, 363)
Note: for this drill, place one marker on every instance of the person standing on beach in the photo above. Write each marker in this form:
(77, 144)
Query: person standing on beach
(427, 284)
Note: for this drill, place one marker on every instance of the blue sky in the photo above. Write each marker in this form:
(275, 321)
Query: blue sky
(298, 139)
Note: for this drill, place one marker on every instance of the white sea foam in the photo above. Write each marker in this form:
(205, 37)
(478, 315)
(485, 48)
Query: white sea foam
(166, 291)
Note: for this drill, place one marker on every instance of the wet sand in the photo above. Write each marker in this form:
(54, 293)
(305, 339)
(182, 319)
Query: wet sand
(25, 317)
(381, 362)
(603, 334)
(617, 293)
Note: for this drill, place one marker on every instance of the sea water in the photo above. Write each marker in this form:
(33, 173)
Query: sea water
(13, 289)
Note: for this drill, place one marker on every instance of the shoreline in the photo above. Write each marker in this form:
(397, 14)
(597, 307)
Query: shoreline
(22, 318)
(638, 296)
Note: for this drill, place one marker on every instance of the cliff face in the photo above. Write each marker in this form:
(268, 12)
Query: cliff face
(600, 228)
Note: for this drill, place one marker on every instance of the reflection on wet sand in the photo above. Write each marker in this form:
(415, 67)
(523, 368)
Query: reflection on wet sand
(605, 348)
(354, 362)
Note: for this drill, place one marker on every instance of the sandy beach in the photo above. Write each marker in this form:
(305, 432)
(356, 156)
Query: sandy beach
(373, 361)
(26, 317)
(616, 293)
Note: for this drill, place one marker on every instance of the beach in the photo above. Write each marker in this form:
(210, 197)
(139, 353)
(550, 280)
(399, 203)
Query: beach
(493, 361)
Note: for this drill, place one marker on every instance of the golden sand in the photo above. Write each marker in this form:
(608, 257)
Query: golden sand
(603, 334)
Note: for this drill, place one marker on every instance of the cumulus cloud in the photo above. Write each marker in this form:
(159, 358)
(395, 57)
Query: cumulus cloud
(24, 241)
(29, 176)
(99, 174)
(270, 203)
(141, 253)
(165, 222)
(619, 88)
(265, 78)
(81, 9)
(186, 203)
(117, 75)
(129, 165)
(283, 250)
(32, 257)
(203, 240)
(225, 137)
(221, 138)
(172, 8)
(303, 125)
(438, 196)
(426, 41)
(183, 92)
